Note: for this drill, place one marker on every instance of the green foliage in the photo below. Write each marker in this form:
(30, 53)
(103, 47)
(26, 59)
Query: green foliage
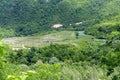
(27, 17)
(55, 53)
(105, 58)
(83, 71)
(1, 70)
(1, 62)
(53, 60)
(49, 72)
(104, 30)
(77, 34)
(84, 60)
(42, 72)
(6, 33)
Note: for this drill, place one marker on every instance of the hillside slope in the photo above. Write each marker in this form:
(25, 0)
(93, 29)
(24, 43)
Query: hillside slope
(110, 24)
(26, 17)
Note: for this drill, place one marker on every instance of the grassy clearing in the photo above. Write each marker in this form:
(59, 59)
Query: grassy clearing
(62, 37)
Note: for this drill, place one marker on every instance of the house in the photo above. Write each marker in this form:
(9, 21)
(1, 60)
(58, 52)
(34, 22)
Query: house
(78, 23)
(57, 25)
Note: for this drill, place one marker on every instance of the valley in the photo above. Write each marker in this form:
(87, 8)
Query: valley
(59, 39)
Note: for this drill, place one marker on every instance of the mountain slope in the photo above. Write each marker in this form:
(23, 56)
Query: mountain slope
(110, 23)
(26, 17)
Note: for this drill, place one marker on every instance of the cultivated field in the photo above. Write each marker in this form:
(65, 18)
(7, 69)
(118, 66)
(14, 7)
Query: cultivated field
(62, 37)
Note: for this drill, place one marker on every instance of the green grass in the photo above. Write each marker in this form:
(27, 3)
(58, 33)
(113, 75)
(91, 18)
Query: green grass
(62, 37)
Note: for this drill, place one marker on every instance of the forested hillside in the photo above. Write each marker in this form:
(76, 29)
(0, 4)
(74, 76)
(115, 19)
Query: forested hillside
(26, 17)
(59, 39)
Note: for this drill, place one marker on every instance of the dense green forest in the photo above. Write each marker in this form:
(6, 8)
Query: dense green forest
(25, 17)
(86, 47)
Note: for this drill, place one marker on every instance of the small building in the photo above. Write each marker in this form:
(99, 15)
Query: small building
(57, 25)
(78, 23)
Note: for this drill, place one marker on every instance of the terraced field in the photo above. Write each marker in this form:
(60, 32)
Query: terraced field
(62, 37)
